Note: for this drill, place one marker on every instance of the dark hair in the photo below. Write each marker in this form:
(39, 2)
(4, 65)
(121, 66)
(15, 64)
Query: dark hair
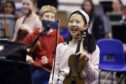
(121, 4)
(91, 14)
(89, 43)
(21, 34)
(13, 5)
(34, 2)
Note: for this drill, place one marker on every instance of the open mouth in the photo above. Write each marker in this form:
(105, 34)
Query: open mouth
(74, 29)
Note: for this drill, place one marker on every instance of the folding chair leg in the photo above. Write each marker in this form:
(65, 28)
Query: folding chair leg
(99, 77)
(124, 77)
(121, 78)
(112, 78)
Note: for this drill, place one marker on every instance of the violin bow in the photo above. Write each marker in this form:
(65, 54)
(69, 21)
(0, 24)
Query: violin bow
(57, 40)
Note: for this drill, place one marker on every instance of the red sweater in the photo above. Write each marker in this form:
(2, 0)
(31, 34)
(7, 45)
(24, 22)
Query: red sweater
(46, 47)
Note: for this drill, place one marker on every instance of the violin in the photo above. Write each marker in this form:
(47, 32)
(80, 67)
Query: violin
(76, 66)
(34, 43)
(32, 50)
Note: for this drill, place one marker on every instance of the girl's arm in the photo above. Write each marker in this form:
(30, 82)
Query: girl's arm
(91, 71)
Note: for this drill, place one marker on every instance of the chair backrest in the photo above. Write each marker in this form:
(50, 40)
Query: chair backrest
(111, 52)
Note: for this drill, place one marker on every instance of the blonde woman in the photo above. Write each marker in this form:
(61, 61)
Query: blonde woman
(30, 18)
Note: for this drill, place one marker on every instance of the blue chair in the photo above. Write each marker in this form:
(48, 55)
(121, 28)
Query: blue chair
(112, 57)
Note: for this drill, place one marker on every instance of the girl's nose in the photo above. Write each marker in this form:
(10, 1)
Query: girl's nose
(74, 23)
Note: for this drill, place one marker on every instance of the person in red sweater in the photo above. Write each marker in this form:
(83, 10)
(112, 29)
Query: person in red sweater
(45, 49)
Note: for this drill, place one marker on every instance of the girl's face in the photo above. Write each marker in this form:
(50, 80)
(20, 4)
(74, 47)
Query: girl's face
(9, 9)
(76, 24)
(49, 16)
(87, 6)
(27, 6)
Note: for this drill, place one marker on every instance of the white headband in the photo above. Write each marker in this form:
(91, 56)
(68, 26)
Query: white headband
(83, 13)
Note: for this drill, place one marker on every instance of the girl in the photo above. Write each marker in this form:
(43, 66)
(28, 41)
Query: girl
(30, 18)
(78, 22)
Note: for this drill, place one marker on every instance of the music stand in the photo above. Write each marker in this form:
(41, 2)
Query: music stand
(12, 50)
(13, 72)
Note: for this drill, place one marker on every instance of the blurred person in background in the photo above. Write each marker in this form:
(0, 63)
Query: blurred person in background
(96, 24)
(8, 18)
(29, 18)
(118, 8)
(45, 47)
(9, 8)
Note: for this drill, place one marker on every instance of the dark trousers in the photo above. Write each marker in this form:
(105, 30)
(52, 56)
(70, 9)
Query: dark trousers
(40, 76)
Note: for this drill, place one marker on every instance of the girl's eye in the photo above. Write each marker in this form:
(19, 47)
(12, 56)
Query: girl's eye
(70, 21)
(77, 21)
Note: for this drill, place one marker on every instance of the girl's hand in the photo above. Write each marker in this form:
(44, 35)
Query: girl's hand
(83, 54)
(44, 60)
